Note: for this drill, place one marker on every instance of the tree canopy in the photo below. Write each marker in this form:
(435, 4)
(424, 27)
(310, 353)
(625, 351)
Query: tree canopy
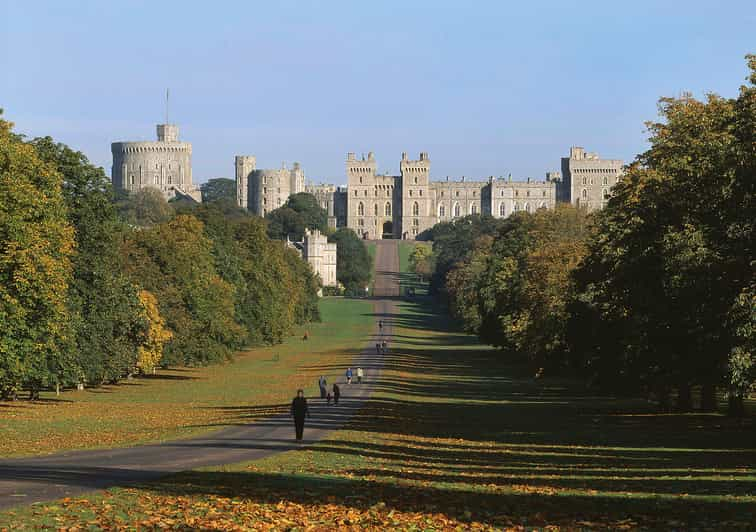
(353, 262)
(219, 188)
(300, 212)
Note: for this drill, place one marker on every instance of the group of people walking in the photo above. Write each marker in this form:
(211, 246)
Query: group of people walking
(299, 409)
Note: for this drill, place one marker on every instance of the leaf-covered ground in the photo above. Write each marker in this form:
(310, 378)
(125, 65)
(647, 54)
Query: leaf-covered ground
(184, 401)
(457, 439)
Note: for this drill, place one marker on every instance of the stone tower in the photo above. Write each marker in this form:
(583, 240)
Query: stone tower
(416, 203)
(587, 179)
(361, 200)
(244, 165)
(165, 165)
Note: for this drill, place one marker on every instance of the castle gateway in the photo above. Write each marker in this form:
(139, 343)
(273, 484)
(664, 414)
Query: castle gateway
(379, 206)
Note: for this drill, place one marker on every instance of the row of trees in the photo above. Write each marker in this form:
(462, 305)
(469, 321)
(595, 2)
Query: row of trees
(93, 290)
(655, 292)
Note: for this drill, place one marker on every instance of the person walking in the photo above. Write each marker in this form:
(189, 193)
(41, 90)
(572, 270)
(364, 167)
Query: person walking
(299, 411)
(336, 393)
(322, 384)
(384, 347)
(380, 325)
(349, 375)
(378, 348)
(360, 374)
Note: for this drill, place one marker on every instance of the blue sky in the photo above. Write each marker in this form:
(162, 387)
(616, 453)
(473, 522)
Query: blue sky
(487, 88)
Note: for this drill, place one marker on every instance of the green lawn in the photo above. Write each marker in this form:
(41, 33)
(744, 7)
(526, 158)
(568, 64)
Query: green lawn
(456, 437)
(185, 401)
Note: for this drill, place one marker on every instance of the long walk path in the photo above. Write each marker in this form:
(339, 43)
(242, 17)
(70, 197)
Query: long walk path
(28, 480)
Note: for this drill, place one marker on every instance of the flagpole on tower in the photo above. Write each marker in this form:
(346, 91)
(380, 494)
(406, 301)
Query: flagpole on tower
(167, 94)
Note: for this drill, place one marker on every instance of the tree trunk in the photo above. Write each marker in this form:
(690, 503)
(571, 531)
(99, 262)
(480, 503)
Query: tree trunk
(684, 398)
(709, 398)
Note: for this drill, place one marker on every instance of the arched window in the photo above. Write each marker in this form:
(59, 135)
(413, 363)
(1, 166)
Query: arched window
(360, 180)
(527, 207)
(456, 210)
(502, 209)
(415, 209)
(416, 180)
(606, 180)
(375, 209)
(387, 209)
(441, 211)
(360, 209)
(473, 209)
(585, 180)
(584, 194)
(605, 193)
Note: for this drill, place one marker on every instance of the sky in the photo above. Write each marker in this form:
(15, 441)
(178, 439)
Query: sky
(487, 88)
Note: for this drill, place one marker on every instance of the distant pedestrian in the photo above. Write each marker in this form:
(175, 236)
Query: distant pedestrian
(328, 399)
(349, 375)
(360, 374)
(378, 348)
(322, 384)
(380, 325)
(384, 347)
(336, 393)
(299, 411)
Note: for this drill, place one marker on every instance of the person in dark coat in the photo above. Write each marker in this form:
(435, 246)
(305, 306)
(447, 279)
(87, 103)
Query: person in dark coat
(299, 411)
(336, 393)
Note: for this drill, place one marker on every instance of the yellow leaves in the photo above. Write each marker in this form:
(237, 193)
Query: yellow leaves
(151, 351)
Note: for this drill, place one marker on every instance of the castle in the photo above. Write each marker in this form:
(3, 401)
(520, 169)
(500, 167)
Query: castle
(165, 164)
(403, 206)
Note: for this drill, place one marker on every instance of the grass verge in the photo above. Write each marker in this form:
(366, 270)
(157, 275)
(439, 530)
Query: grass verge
(185, 401)
(457, 438)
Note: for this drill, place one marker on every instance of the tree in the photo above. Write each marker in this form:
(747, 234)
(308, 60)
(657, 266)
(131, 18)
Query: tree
(421, 261)
(674, 250)
(36, 245)
(174, 261)
(353, 262)
(103, 302)
(145, 207)
(218, 189)
(151, 348)
(301, 211)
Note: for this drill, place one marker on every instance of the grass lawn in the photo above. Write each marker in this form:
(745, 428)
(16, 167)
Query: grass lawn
(455, 437)
(185, 401)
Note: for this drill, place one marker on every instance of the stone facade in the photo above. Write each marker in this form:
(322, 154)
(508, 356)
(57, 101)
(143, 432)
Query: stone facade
(261, 191)
(588, 179)
(387, 206)
(321, 256)
(165, 164)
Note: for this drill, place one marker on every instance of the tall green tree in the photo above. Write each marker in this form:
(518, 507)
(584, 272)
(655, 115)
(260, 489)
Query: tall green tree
(144, 208)
(219, 188)
(674, 250)
(36, 244)
(300, 212)
(108, 321)
(353, 262)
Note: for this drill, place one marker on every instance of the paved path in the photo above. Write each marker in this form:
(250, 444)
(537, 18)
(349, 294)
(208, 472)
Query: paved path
(28, 480)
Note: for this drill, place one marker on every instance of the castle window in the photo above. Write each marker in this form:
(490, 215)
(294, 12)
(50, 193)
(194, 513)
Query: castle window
(585, 180)
(170, 179)
(473, 209)
(517, 192)
(456, 193)
(605, 193)
(527, 207)
(410, 192)
(355, 192)
(375, 209)
(415, 221)
(456, 210)
(387, 209)
(416, 180)
(361, 209)
(265, 201)
(442, 193)
(502, 193)
(502, 209)
(388, 192)
(441, 211)
(421, 191)
(544, 194)
(265, 190)
(584, 193)
(606, 180)
(361, 222)
(279, 190)
(360, 179)
(366, 193)
(415, 209)
(474, 193)
(527, 193)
